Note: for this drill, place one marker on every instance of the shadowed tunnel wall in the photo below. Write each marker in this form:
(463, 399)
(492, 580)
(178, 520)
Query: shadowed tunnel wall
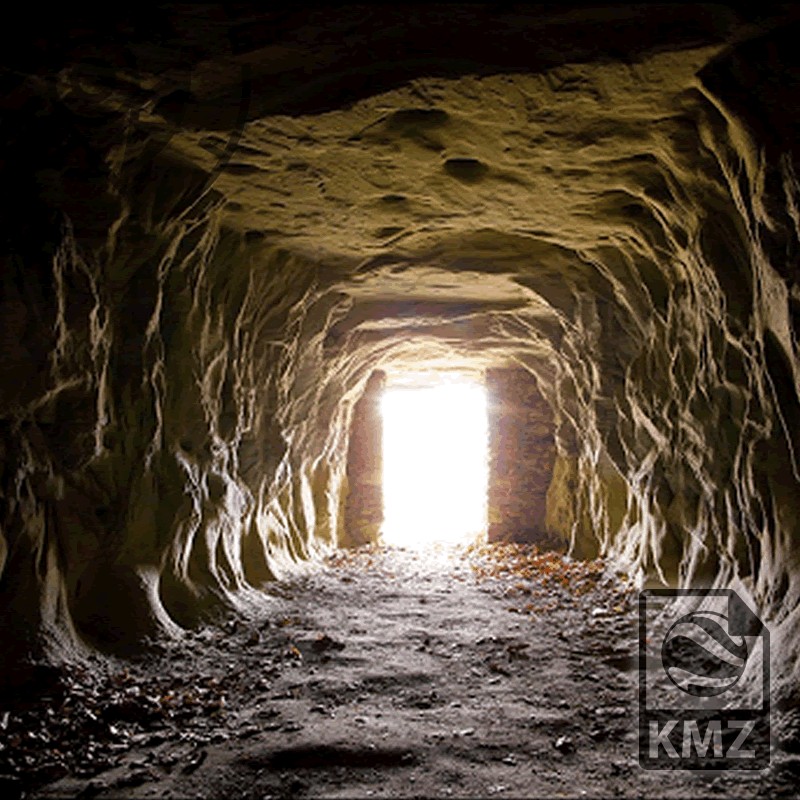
(212, 241)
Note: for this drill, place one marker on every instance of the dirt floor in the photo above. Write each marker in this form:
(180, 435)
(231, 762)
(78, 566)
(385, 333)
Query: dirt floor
(477, 672)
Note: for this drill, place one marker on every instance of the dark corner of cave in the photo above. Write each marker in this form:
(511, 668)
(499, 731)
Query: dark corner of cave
(400, 400)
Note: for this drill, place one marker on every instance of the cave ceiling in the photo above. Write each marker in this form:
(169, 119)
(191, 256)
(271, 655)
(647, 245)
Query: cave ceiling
(431, 163)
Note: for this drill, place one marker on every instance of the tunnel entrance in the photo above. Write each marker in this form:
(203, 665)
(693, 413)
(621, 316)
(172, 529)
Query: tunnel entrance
(522, 458)
(435, 462)
(450, 457)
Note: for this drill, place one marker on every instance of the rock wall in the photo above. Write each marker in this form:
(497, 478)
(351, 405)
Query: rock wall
(222, 223)
(363, 494)
(522, 455)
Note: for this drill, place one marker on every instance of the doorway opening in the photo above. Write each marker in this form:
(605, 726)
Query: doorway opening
(435, 462)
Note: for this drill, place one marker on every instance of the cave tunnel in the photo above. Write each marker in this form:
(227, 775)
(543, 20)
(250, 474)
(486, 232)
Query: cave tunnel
(230, 231)
(434, 455)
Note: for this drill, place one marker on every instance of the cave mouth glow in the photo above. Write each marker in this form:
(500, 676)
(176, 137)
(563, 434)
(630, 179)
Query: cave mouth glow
(435, 463)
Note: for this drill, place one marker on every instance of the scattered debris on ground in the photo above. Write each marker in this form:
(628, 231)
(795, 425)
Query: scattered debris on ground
(482, 671)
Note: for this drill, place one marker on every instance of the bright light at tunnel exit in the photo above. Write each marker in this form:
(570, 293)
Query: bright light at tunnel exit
(435, 464)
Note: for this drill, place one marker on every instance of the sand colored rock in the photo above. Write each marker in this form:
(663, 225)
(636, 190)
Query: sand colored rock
(221, 222)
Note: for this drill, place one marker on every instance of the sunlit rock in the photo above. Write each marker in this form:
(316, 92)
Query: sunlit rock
(217, 230)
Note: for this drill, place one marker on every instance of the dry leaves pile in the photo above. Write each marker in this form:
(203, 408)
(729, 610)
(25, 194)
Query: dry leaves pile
(84, 722)
(546, 581)
(366, 558)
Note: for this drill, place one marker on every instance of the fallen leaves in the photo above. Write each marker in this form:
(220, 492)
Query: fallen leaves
(294, 652)
(368, 558)
(216, 686)
(547, 581)
(93, 717)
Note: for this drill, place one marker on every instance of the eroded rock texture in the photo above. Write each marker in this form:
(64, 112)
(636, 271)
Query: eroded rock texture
(220, 221)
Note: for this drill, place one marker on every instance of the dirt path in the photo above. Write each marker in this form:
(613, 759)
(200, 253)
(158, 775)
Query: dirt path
(389, 673)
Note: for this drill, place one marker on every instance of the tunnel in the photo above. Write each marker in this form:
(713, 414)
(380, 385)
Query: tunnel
(230, 230)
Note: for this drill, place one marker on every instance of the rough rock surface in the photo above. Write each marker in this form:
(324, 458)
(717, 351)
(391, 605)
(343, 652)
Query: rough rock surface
(522, 455)
(363, 493)
(219, 221)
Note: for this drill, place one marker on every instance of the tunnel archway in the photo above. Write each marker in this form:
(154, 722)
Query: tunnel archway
(435, 462)
(216, 241)
(452, 457)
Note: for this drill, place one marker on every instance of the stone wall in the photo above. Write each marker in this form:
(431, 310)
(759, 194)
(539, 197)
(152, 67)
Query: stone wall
(363, 505)
(522, 455)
